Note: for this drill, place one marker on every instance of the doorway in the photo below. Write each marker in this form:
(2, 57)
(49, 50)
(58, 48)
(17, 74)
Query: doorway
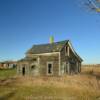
(23, 71)
(50, 68)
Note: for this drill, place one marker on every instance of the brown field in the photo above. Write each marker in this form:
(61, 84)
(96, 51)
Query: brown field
(84, 86)
(93, 70)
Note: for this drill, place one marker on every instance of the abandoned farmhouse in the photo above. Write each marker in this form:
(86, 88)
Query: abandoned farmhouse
(54, 59)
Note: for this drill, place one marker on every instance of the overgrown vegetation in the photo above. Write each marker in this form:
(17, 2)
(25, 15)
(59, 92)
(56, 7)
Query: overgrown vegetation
(75, 87)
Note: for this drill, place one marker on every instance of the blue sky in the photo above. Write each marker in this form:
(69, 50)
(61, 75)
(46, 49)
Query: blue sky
(27, 22)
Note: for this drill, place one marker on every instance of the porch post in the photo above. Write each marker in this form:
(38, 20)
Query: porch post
(68, 68)
(38, 60)
(80, 67)
(77, 67)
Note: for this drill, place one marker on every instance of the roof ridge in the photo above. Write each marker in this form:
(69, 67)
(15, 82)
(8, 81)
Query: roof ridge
(50, 43)
(48, 47)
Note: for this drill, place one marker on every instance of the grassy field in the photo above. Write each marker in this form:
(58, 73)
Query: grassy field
(7, 73)
(85, 86)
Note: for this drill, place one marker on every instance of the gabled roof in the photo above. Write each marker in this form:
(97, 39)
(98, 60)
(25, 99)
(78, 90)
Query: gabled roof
(52, 47)
(71, 46)
(47, 48)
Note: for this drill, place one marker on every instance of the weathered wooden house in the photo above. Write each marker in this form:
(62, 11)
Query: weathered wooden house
(53, 59)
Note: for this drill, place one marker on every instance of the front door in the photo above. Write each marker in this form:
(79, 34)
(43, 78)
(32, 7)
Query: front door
(23, 71)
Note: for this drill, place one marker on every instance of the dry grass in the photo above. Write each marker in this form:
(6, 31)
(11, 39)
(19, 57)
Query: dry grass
(75, 87)
(91, 68)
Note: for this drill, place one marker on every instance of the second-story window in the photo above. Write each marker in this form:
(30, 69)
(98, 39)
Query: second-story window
(67, 50)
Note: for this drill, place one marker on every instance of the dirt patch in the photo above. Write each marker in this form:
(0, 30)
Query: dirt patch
(8, 81)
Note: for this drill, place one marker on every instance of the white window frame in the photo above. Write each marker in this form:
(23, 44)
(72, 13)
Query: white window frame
(51, 68)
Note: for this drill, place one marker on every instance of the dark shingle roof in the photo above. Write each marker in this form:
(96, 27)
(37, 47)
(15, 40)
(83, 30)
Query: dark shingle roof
(26, 59)
(47, 48)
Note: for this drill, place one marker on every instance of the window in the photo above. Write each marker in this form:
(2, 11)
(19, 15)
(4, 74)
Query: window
(49, 68)
(33, 67)
(67, 50)
(34, 59)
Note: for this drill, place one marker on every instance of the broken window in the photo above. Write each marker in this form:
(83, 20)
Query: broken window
(34, 59)
(50, 68)
(67, 50)
(33, 67)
